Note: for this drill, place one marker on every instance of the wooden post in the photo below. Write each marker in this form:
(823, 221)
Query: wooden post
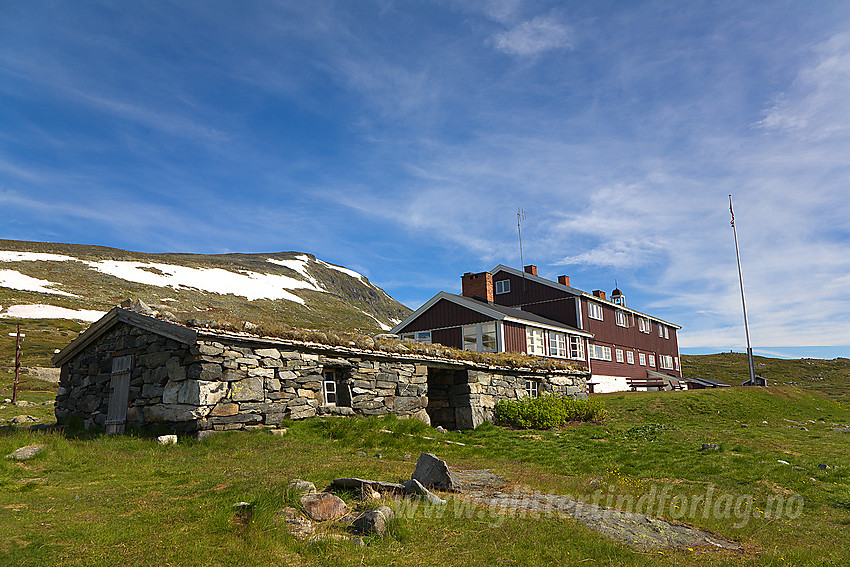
(17, 364)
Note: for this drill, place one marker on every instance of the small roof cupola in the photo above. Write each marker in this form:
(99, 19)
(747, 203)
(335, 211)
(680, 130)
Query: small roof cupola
(617, 297)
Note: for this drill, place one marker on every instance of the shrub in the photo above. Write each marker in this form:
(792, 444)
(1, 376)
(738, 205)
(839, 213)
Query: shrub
(547, 411)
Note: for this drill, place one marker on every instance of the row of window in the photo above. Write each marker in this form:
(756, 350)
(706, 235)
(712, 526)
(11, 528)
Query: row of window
(665, 361)
(621, 318)
(423, 337)
(559, 345)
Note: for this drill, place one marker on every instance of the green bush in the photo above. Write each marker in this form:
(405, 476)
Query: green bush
(547, 411)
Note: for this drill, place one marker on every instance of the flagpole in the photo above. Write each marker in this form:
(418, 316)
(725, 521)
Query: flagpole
(743, 301)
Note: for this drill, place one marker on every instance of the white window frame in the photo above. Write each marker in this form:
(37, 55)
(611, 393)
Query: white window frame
(651, 360)
(660, 331)
(621, 318)
(576, 347)
(599, 352)
(630, 357)
(557, 344)
(665, 362)
(618, 354)
(503, 286)
(535, 341)
(676, 363)
(644, 326)
(642, 359)
(531, 388)
(329, 395)
(421, 337)
(594, 311)
(666, 332)
(478, 331)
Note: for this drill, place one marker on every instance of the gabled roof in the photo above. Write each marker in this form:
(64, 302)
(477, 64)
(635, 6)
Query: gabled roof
(493, 311)
(118, 315)
(574, 291)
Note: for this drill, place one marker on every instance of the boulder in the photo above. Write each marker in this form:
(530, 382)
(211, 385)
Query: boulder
(422, 416)
(247, 390)
(373, 521)
(27, 452)
(359, 483)
(323, 506)
(23, 419)
(435, 473)
(296, 525)
(414, 488)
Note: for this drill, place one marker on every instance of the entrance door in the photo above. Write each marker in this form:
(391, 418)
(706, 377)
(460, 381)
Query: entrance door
(116, 415)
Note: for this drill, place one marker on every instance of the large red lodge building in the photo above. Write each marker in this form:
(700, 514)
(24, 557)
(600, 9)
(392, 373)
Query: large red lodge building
(508, 310)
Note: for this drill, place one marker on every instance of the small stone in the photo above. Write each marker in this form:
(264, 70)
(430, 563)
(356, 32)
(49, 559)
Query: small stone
(764, 423)
(379, 456)
(323, 506)
(434, 472)
(414, 488)
(249, 326)
(744, 425)
(781, 462)
(440, 428)
(22, 403)
(823, 467)
(373, 521)
(201, 435)
(281, 431)
(710, 447)
(302, 486)
(167, 439)
(23, 419)
(361, 453)
(27, 452)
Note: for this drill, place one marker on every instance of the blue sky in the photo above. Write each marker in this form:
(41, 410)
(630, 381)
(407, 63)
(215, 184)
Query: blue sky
(400, 138)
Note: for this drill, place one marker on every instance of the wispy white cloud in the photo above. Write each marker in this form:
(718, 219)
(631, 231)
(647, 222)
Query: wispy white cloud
(541, 33)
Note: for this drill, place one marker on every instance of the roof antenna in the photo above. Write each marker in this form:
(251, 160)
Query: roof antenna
(520, 216)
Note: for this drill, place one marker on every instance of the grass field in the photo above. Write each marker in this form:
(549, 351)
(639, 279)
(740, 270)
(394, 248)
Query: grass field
(96, 500)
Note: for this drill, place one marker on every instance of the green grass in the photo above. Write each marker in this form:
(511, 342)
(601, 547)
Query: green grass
(96, 500)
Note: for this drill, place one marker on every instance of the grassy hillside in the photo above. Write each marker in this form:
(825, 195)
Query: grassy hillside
(346, 301)
(93, 500)
(831, 377)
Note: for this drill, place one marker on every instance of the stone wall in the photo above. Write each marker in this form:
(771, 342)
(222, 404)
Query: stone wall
(221, 383)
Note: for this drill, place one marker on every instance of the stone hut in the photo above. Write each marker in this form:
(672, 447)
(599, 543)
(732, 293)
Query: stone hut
(130, 368)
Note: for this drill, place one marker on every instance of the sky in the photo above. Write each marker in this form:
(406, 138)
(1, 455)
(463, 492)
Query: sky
(400, 138)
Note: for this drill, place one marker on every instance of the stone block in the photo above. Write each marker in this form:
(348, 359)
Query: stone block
(151, 391)
(205, 371)
(224, 409)
(302, 412)
(247, 362)
(271, 363)
(170, 392)
(272, 384)
(247, 390)
(261, 372)
(267, 353)
(200, 392)
(234, 375)
(210, 349)
(174, 413)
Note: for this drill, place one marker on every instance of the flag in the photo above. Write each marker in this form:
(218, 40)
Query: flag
(731, 211)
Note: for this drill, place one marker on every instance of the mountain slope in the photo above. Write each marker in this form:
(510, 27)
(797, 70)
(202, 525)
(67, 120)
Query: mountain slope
(72, 281)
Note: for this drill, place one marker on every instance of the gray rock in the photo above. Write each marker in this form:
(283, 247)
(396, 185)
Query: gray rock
(781, 462)
(361, 453)
(27, 452)
(167, 439)
(440, 428)
(823, 467)
(435, 473)
(359, 483)
(710, 447)
(249, 326)
(201, 435)
(23, 419)
(247, 390)
(279, 432)
(297, 525)
(422, 416)
(323, 506)
(302, 486)
(373, 521)
(414, 488)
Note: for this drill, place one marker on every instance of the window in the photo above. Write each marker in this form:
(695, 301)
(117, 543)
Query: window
(651, 360)
(661, 331)
(422, 337)
(480, 337)
(676, 362)
(642, 359)
(644, 325)
(531, 388)
(619, 354)
(330, 387)
(557, 344)
(594, 310)
(503, 286)
(665, 361)
(666, 333)
(534, 341)
(600, 352)
(576, 348)
(622, 318)
(630, 357)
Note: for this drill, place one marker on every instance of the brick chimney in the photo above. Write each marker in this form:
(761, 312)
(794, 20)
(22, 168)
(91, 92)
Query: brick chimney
(599, 293)
(531, 269)
(478, 286)
(564, 280)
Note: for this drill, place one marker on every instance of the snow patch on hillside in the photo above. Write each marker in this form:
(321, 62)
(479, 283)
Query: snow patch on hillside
(384, 326)
(13, 256)
(351, 273)
(250, 285)
(50, 312)
(298, 264)
(15, 280)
